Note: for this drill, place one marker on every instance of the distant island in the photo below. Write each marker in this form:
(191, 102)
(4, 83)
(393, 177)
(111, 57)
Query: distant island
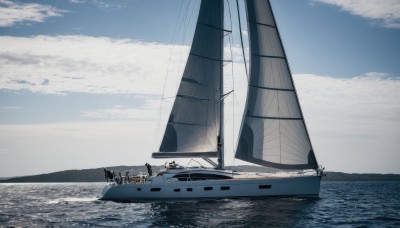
(97, 175)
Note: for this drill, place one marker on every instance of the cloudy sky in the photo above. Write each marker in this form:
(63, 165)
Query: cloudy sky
(81, 81)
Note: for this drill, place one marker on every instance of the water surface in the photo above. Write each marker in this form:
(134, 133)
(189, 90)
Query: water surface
(346, 204)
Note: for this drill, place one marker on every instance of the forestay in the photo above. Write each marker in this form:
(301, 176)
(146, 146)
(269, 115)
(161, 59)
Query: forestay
(273, 131)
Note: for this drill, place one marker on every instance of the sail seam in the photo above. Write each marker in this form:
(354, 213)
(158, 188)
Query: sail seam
(274, 118)
(259, 23)
(214, 27)
(271, 88)
(269, 56)
(205, 57)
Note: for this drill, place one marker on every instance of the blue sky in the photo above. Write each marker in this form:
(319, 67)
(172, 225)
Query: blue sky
(81, 80)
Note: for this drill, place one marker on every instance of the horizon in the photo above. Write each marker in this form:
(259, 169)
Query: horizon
(57, 171)
(81, 81)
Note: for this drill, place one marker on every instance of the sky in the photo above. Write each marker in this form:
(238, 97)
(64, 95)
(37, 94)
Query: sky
(89, 83)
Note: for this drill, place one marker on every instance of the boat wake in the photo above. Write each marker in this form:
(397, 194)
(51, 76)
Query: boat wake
(72, 200)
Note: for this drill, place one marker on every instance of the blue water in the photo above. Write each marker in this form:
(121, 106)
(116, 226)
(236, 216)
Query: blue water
(343, 204)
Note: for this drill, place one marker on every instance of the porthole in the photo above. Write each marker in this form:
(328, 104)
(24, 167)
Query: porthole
(264, 186)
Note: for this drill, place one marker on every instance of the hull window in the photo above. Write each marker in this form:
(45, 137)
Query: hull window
(264, 186)
(155, 189)
(189, 189)
(208, 188)
(224, 188)
(177, 190)
(139, 189)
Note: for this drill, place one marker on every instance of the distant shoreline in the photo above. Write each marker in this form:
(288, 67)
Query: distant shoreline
(97, 175)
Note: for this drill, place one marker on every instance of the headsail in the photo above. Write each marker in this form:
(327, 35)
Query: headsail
(273, 131)
(193, 125)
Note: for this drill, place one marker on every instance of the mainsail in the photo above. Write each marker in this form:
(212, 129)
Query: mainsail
(194, 123)
(273, 131)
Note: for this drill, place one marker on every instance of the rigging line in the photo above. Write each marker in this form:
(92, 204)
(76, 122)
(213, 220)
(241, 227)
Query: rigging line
(230, 15)
(241, 41)
(227, 34)
(226, 94)
(183, 41)
(173, 41)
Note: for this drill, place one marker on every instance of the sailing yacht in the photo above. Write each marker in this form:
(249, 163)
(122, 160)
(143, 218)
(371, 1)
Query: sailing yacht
(273, 132)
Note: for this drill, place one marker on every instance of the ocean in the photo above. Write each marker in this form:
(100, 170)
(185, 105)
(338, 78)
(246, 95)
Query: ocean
(340, 204)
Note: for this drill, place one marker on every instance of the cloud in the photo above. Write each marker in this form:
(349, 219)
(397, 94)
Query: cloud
(354, 123)
(96, 65)
(148, 111)
(383, 12)
(12, 12)
(99, 3)
(83, 64)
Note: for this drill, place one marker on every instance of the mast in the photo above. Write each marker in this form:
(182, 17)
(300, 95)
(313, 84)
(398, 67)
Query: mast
(221, 103)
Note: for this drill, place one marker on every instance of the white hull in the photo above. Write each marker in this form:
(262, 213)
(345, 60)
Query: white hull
(260, 186)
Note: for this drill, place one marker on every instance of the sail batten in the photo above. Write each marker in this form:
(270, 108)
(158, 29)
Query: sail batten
(263, 24)
(192, 124)
(273, 131)
(269, 56)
